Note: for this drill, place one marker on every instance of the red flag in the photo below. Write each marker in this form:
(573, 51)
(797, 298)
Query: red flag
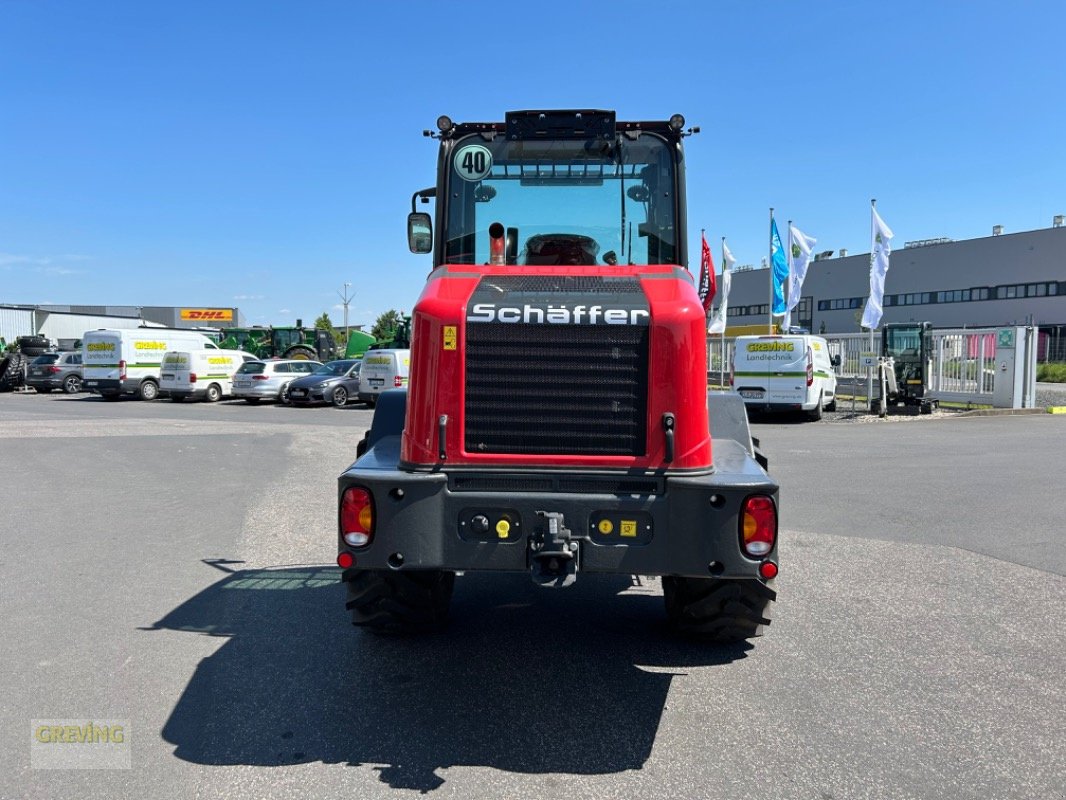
(708, 282)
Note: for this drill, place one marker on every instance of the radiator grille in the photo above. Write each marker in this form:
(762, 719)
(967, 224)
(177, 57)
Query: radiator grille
(556, 389)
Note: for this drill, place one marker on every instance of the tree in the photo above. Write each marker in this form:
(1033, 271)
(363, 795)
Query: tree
(385, 326)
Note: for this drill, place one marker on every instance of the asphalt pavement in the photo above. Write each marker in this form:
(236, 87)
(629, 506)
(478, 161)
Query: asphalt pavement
(169, 565)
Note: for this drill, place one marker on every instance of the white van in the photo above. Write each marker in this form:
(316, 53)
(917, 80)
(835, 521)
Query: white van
(784, 373)
(117, 362)
(202, 374)
(381, 370)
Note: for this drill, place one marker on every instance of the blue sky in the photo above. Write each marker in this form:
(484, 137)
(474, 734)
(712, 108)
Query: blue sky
(261, 154)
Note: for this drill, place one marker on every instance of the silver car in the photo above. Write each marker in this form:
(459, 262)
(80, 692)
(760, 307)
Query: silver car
(269, 380)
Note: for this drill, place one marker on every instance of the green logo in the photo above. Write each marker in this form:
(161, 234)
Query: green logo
(796, 251)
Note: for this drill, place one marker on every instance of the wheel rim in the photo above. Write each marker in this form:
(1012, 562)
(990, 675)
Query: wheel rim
(213, 394)
(149, 391)
(340, 397)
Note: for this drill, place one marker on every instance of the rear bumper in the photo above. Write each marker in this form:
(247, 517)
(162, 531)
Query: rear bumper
(44, 383)
(109, 385)
(263, 393)
(685, 525)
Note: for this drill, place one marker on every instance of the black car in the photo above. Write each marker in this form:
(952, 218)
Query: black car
(55, 371)
(335, 382)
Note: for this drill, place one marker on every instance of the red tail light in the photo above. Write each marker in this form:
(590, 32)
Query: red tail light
(122, 370)
(55, 370)
(397, 381)
(357, 517)
(758, 526)
(810, 367)
(260, 377)
(192, 378)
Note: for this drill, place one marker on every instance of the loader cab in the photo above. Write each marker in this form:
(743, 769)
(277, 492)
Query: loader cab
(555, 188)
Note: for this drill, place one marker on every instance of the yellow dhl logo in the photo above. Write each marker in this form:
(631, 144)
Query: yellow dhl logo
(96, 347)
(765, 347)
(213, 314)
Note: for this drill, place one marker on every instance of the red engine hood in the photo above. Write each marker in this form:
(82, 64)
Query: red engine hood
(676, 363)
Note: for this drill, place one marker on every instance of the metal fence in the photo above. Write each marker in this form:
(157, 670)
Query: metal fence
(962, 369)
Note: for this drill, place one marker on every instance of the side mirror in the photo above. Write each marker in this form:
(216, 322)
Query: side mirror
(419, 232)
(836, 361)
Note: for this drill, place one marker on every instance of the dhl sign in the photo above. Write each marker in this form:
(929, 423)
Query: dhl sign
(208, 314)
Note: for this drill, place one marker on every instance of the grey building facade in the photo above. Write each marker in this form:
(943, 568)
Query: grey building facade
(1010, 279)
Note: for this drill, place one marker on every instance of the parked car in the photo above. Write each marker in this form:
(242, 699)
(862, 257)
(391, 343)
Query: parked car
(269, 380)
(55, 371)
(335, 382)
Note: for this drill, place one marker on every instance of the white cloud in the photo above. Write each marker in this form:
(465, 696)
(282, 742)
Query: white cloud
(11, 259)
(284, 311)
(249, 297)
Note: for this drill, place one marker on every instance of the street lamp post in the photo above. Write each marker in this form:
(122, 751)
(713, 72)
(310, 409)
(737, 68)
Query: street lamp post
(346, 299)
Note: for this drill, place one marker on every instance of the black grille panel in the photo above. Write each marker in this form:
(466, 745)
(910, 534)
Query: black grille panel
(556, 389)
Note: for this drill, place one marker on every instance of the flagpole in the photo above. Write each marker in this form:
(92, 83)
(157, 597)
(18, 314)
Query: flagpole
(869, 372)
(770, 263)
(721, 362)
(788, 292)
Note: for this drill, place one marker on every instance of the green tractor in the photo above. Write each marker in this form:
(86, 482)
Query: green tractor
(312, 344)
(399, 338)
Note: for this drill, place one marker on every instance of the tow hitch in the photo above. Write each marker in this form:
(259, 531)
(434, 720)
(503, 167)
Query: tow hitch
(554, 554)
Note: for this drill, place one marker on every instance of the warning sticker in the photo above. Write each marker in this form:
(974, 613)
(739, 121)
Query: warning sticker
(451, 338)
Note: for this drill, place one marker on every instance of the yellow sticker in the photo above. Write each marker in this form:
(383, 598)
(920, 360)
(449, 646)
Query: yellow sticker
(606, 527)
(451, 338)
(629, 527)
(503, 528)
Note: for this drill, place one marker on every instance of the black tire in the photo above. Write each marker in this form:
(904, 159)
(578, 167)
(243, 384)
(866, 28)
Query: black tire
(408, 601)
(340, 397)
(301, 353)
(718, 610)
(832, 404)
(214, 393)
(13, 374)
(72, 384)
(815, 413)
(148, 390)
(283, 395)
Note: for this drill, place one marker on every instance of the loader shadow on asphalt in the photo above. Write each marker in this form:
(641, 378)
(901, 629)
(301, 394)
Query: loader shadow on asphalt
(525, 679)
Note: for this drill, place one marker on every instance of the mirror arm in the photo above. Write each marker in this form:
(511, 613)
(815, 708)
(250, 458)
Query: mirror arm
(425, 194)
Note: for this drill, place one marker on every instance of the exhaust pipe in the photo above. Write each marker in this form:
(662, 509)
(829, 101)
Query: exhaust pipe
(497, 243)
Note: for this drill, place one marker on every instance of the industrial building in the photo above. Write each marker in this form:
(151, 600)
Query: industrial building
(1003, 279)
(66, 324)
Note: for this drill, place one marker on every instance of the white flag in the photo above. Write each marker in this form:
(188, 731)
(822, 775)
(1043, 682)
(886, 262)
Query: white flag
(718, 320)
(880, 249)
(799, 257)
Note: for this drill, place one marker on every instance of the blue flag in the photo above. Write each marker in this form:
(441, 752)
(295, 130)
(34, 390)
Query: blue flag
(779, 264)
